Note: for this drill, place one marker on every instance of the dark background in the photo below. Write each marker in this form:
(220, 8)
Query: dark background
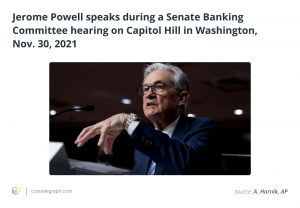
(216, 90)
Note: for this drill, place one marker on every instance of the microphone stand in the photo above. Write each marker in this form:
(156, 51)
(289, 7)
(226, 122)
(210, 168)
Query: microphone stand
(84, 108)
(52, 116)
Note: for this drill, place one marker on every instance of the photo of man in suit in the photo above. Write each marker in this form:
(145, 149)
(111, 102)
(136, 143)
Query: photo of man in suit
(178, 145)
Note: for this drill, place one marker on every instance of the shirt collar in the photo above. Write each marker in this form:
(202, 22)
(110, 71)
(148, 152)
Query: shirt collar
(170, 129)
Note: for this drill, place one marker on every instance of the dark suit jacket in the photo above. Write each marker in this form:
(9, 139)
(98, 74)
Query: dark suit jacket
(194, 148)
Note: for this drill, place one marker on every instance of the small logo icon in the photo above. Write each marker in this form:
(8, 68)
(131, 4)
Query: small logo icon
(16, 190)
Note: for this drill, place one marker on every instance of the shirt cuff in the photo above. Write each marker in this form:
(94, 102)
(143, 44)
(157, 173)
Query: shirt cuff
(132, 127)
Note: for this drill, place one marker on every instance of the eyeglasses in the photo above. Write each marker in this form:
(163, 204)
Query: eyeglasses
(156, 88)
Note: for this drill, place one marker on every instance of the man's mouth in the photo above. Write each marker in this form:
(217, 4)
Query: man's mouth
(150, 104)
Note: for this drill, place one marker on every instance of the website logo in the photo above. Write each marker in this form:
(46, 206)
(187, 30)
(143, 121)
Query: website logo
(16, 190)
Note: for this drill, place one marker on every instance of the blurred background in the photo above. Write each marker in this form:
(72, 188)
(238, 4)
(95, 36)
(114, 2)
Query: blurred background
(221, 91)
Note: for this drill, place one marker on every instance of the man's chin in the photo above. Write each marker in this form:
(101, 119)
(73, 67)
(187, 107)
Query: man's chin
(150, 113)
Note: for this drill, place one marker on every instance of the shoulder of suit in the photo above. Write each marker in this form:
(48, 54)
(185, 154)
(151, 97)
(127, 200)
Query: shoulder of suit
(203, 121)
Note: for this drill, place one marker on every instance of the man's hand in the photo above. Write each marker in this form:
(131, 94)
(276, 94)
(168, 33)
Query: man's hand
(109, 128)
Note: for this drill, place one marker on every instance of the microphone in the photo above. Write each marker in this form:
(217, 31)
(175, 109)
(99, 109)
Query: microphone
(84, 108)
(87, 108)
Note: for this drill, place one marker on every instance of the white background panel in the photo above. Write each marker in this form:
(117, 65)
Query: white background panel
(24, 90)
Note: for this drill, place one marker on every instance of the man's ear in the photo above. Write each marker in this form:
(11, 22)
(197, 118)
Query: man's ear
(183, 97)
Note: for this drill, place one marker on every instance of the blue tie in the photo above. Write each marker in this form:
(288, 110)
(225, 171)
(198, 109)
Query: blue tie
(152, 168)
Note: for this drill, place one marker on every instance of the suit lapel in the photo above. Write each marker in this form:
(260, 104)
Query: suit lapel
(159, 170)
(143, 163)
(182, 126)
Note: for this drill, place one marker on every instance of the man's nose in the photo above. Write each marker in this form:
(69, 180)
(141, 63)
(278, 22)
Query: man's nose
(150, 94)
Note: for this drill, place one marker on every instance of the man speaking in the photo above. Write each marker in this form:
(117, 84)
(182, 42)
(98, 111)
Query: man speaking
(178, 145)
